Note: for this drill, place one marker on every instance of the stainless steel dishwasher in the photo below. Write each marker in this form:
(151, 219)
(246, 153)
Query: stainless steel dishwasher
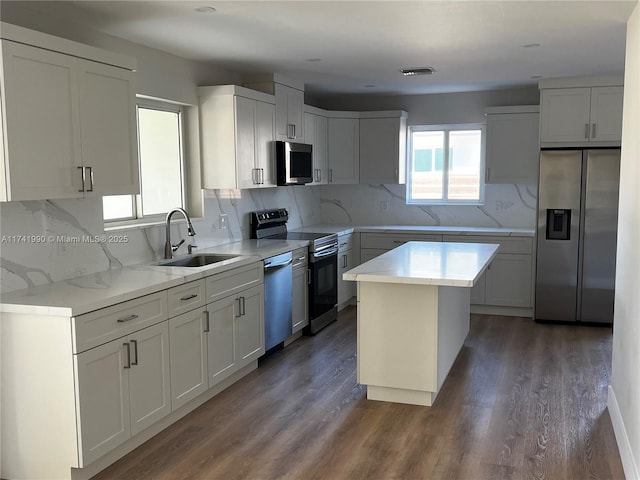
(278, 276)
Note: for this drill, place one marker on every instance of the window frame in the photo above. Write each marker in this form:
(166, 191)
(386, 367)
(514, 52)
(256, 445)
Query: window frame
(446, 128)
(138, 219)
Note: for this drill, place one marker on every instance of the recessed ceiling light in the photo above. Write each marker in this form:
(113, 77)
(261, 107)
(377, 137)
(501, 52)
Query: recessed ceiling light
(410, 72)
(535, 77)
(314, 59)
(205, 9)
(531, 45)
(369, 86)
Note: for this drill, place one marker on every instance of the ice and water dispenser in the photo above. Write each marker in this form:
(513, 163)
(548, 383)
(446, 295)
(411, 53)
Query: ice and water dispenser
(558, 223)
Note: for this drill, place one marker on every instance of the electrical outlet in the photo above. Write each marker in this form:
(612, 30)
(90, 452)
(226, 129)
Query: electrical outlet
(222, 221)
(384, 206)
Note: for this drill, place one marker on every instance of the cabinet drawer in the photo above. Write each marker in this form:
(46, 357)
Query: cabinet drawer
(300, 258)
(388, 241)
(523, 245)
(345, 242)
(185, 298)
(101, 326)
(230, 282)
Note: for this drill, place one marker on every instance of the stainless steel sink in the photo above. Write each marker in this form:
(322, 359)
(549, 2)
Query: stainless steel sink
(198, 260)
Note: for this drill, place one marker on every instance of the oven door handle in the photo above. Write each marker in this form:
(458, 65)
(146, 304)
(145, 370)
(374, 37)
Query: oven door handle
(325, 253)
(271, 266)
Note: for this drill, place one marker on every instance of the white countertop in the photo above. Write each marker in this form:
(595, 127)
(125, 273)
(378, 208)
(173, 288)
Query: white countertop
(428, 263)
(90, 292)
(344, 229)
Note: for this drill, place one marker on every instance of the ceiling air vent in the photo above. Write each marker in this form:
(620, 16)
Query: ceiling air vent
(410, 72)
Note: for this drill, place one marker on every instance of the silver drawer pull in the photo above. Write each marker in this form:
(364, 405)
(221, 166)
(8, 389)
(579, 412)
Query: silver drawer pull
(135, 351)
(127, 319)
(189, 297)
(301, 258)
(128, 365)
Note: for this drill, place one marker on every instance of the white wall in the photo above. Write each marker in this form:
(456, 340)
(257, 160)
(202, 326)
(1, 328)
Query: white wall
(624, 392)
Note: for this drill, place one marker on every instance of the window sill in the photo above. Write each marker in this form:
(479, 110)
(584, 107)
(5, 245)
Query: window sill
(445, 204)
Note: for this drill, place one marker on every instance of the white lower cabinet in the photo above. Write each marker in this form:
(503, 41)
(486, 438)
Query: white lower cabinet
(188, 347)
(236, 332)
(346, 261)
(123, 387)
(508, 281)
(300, 290)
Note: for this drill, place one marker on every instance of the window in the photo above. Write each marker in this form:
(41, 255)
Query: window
(160, 147)
(445, 164)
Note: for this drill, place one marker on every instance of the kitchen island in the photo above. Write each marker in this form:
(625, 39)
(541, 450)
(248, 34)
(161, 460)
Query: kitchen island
(413, 316)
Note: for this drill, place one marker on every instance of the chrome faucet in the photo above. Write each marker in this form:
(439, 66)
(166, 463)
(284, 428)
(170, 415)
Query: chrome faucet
(168, 247)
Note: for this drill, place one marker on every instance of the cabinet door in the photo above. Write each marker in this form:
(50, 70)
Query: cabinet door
(246, 142)
(221, 342)
(346, 289)
(295, 105)
(41, 123)
(300, 299)
(315, 134)
(102, 399)
(108, 119)
(188, 350)
(478, 291)
(565, 115)
(265, 135)
(149, 377)
(512, 148)
(380, 150)
(508, 281)
(343, 150)
(606, 114)
(250, 325)
(320, 151)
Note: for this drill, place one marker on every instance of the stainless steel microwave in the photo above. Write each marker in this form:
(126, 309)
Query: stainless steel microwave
(294, 163)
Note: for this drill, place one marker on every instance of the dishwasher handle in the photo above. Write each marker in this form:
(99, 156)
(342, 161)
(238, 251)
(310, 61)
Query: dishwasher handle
(271, 266)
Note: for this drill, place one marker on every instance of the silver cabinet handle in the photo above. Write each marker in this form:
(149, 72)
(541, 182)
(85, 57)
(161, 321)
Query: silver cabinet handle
(593, 131)
(135, 351)
(239, 314)
(128, 347)
(90, 179)
(319, 175)
(243, 309)
(262, 176)
(206, 321)
(83, 176)
(330, 175)
(300, 259)
(586, 130)
(189, 297)
(127, 319)
(344, 261)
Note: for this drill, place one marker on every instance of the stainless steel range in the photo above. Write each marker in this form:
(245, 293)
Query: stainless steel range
(323, 263)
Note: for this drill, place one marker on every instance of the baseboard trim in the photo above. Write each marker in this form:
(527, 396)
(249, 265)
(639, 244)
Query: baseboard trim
(502, 311)
(629, 464)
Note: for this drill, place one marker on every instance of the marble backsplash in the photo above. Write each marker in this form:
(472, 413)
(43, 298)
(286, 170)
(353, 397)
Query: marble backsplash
(505, 205)
(52, 240)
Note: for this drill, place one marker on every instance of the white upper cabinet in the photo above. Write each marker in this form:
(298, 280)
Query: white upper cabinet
(108, 124)
(512, 154)
(68, 123)
(344, 147)
(383, 147)
(237, 130)
(315, 134)
(289, 113)
(580, 115)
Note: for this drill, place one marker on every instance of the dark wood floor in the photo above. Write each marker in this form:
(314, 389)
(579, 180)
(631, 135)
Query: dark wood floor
(522, 401)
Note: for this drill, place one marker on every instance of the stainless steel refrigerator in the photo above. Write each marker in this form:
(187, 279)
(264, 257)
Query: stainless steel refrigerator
(576, 235)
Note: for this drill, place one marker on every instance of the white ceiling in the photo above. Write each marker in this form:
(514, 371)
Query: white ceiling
(341, 46)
